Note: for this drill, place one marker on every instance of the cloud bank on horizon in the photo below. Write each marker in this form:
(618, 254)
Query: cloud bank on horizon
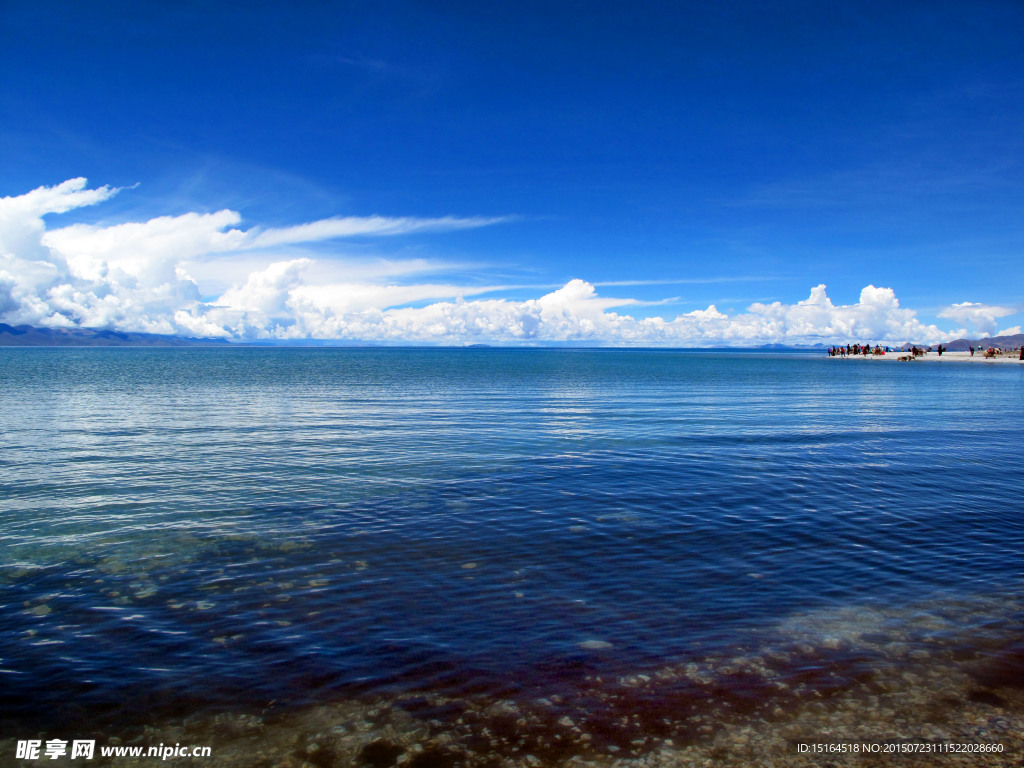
(136, 277)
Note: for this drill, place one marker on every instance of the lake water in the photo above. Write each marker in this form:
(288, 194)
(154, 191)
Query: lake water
(205, 530)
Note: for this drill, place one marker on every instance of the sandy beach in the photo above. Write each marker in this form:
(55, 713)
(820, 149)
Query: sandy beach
(1007, 358)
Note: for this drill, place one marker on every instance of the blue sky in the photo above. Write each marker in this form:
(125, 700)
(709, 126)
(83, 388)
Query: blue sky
(667, 156)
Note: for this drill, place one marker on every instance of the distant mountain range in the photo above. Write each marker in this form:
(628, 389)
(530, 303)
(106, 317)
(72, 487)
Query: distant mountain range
(1003, 342)
(29, 336)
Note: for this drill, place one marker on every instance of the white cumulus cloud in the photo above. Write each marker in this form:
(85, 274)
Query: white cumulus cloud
(983, 319)
(138, 276)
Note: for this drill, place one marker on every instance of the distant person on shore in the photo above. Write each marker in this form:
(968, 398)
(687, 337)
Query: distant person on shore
(972, 351)
(1021, 354)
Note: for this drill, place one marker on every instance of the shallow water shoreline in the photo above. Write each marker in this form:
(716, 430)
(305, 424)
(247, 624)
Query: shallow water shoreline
(864, 680)
(936, 710)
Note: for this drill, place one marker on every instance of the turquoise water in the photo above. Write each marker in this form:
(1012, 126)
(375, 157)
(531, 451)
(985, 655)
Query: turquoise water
(190, 530)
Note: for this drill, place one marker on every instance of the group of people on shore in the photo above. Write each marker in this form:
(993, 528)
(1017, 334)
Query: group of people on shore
(856, 349)
(852, 350)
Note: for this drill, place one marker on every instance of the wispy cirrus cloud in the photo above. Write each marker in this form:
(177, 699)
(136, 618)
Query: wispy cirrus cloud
(191, 234)
(685, 281)
(366, 226)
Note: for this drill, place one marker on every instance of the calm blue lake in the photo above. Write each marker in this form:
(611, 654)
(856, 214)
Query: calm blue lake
(187, 530)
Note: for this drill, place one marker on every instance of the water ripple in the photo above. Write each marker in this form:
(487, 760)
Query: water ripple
(446, 519)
